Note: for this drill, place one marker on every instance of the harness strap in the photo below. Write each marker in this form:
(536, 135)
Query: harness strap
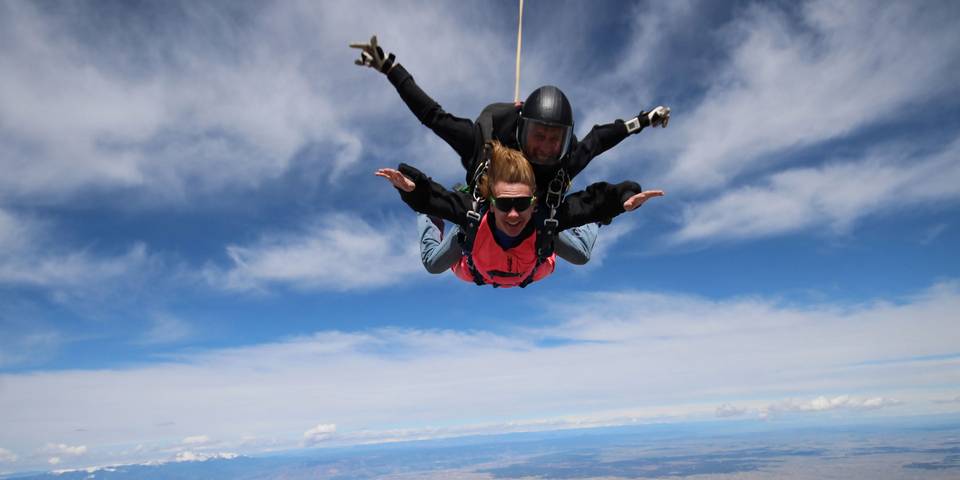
(548, 230)
(467, 236)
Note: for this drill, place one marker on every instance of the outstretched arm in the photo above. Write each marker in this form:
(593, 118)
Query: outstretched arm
(639, 199)
(601, 201)
(459, 133)
(604, 137)
(424, 195)
(400, 181)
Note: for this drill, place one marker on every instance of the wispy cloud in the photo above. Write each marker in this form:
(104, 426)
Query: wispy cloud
(726, 410)
(790, 84)
(26, 347)
(199, 100)
(335, 252)
(927, 237)
(183, 115)
(32, 256)
(831, 197)
(196, 440)
(165, 329)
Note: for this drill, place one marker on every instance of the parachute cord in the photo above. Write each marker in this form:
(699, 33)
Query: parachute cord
(516, 87)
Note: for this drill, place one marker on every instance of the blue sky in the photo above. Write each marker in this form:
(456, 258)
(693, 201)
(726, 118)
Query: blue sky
(195, 256)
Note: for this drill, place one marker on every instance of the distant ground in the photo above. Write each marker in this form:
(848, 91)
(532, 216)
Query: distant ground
(928, 449)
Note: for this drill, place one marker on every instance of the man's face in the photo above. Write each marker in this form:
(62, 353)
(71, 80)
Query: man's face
(512, 222)
(543, 143)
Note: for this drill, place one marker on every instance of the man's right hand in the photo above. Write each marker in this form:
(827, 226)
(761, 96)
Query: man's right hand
(371, 55)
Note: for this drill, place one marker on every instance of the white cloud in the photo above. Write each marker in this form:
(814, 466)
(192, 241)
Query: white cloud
(814, 405)
(63, 449)
(196, 440)
(203, 457)
(833, 196)
(54, 460)
(629, 356)
(337, 252)
(823, 404)
(788, 85)
(180, 457)
(6, 456)
(319, 433)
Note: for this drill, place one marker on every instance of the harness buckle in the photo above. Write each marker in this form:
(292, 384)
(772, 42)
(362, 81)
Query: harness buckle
(554, 193)
(550, 226)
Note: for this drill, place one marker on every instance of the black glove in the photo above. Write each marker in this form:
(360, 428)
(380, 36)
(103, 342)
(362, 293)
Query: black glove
(371, 55)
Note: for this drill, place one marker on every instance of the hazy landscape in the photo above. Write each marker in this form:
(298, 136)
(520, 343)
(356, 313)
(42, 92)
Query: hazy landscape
(928, 448)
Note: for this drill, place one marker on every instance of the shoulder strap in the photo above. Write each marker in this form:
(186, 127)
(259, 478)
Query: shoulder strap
(494, 110)
(466, 237)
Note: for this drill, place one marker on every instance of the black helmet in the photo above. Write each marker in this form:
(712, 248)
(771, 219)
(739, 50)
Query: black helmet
(547, 107)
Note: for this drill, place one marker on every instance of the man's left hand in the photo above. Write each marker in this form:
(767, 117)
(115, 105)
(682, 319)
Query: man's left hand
(371, 55)
(659, 117)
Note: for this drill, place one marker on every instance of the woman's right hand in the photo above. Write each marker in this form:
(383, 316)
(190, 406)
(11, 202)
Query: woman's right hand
(398, 179)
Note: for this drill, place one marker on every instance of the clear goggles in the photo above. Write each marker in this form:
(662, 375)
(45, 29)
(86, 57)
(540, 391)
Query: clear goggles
(544, 142)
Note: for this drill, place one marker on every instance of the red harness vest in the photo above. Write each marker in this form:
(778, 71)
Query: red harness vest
(506, 268)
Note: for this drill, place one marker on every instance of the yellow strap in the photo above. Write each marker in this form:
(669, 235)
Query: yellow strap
(516, 87)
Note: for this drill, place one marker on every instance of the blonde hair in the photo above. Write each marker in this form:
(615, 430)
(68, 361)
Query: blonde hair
(509, 166)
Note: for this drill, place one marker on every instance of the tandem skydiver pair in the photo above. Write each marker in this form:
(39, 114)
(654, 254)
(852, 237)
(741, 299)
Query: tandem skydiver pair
(519, 159)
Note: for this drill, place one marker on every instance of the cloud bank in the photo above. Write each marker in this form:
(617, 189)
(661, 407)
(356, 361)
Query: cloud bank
(615, 366)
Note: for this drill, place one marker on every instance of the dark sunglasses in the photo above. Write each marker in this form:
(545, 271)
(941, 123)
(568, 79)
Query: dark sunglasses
(505, 204)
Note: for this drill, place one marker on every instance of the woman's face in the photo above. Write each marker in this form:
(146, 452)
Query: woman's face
(512, 222)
